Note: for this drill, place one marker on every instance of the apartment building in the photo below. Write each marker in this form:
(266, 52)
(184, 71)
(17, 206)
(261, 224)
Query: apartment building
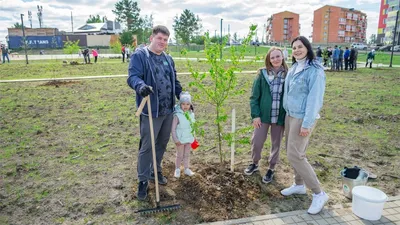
(392, 7)
(282, 27)
(336, 25)
(383, 13)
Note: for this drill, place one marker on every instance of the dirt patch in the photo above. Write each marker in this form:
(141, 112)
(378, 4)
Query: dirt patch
(58, 83)
(214, 194)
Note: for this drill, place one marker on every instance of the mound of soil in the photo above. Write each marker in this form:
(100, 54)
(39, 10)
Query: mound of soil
(213, 193)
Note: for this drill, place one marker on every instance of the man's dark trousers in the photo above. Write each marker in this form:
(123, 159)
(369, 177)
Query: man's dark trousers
(162, 131)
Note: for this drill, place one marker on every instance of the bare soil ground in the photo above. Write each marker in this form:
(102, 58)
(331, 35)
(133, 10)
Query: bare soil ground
(68, 154)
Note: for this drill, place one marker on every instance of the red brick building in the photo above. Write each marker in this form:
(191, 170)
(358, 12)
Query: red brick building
(335, 25)
(383, 14)
(282, 27)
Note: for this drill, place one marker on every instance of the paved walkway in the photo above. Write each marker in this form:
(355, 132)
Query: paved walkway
(332, 215)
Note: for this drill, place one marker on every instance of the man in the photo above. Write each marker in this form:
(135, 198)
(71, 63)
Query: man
(335, 57)
(319, 54)
(370, 58)
(341, 58)
(123, 53)
(346, 58)
(152, 72)
(351, 57)
(128, 52)
(4, 52)
(355, 58)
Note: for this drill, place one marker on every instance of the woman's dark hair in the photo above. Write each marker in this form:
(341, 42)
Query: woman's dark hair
(310, 53)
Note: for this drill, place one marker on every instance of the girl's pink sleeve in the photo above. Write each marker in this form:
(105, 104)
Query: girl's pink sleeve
(175, 123)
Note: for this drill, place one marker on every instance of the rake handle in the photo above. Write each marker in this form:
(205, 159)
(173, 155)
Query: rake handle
(153, 145)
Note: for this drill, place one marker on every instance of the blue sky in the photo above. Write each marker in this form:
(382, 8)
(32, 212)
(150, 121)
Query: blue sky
(239, 14)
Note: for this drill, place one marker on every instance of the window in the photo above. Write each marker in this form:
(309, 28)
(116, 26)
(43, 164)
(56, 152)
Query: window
(326, 21)
(324, 33)
(285, 31)
(285, 26)
(325, 27)
(384, 21)
(325, 39)
(285, 21)
(326, 15)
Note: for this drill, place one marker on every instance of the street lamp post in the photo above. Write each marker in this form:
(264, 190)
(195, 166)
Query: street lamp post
(221, 41)
(23, 34)
(394, 35)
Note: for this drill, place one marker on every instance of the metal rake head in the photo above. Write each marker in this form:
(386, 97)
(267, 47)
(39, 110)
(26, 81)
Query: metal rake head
(158, 209)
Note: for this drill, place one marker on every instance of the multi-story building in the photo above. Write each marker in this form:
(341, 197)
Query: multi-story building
(393, 7)
(380, 39)
(282, 27)
(335, 25)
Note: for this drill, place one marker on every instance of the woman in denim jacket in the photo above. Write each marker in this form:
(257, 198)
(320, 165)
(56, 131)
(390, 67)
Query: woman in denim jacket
(302, 100)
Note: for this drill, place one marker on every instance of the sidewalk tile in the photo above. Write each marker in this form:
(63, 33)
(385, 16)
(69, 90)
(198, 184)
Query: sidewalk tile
(306, 217)
(297, 219)
(348, 218)
(331, 220)
(316, 217)
(278, 221)
(391, 211)
(355, 223)
(384, 220)
(322, 222)
(390, 223)
(392, 218)
(287, 220)
(301, 223)
(391, 204)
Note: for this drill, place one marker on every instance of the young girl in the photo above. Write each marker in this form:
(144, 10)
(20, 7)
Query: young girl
(182, 133)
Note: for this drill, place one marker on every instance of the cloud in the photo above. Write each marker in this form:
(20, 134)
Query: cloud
(238, 14)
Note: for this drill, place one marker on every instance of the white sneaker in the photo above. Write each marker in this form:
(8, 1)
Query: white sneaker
(177, 173)
(189, 172)
(318, 202)
(294, 189)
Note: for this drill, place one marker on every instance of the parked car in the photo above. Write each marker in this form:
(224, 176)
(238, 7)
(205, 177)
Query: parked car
(375, 46)
(360, 46)
(396, 48)
(385, 48)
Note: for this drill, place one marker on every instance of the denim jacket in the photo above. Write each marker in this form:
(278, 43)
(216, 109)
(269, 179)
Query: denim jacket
(304, 92)
(141, 72)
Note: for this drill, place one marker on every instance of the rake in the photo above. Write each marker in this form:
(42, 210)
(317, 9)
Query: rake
(153, 149)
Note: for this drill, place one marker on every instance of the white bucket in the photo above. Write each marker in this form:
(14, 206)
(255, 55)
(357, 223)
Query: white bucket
(368, 202)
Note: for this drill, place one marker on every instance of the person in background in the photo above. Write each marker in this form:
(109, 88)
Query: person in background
(370, 58)
(355, 58)
(346, 58)
(128, 52)
(340, 58)
(285, 53)
(95, 55)
(351, 57)
(123, 53)
(319, 54)
(86, 55)
(335, 57)
(267, 111)
(302, 99)
(4, 53)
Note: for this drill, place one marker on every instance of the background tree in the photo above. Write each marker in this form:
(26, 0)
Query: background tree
(71, 47)
(220, 82)
(198, 39)
(146, 28)
(235, 37)
(17, 25)
(127, 12)
(126, 38)
(186, 26)
(372, 39)
(94, 19)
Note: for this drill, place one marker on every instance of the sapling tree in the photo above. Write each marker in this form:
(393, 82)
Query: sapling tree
(220, 82)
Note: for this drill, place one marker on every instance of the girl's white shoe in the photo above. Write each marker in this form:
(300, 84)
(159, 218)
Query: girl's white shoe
(177, 173)
(189, 172)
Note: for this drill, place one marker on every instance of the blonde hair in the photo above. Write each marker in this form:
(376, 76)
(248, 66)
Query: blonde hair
(268, 63)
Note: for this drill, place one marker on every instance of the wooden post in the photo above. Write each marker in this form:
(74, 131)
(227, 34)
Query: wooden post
(233, 140)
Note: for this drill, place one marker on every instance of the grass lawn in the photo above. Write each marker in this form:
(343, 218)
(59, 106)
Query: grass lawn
(56, 68)
(68, 149)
